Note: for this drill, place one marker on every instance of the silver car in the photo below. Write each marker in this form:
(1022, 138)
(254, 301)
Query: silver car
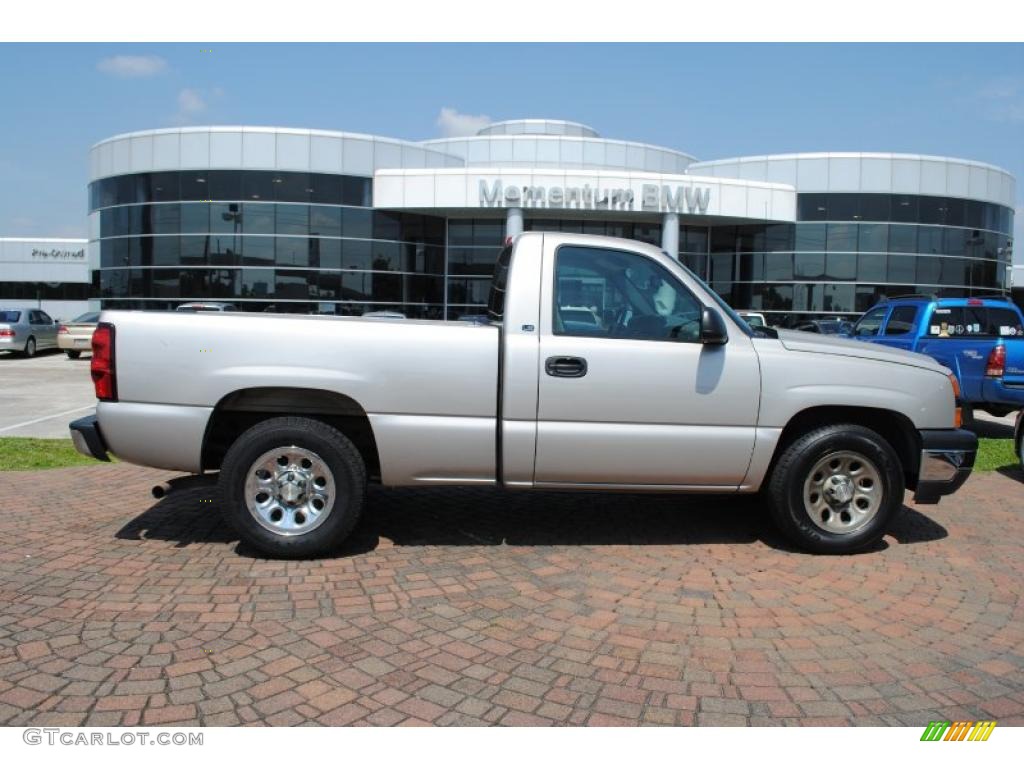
(27, 331)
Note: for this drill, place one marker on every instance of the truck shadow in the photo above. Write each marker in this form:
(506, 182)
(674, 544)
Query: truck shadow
(487, 517)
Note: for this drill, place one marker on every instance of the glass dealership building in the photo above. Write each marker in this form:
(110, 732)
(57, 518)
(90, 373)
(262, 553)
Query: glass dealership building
(322, 221)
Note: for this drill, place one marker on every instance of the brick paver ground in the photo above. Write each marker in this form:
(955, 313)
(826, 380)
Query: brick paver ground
(474, 607)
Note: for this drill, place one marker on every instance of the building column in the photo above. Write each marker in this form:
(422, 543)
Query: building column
(513, 222)
(670, 234)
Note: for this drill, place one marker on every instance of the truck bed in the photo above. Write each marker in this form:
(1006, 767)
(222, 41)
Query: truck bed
(428, 387)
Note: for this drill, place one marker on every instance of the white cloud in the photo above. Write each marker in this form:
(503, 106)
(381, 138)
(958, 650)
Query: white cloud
(132, 66)
(190, 102)
(195, 102)
(1004, 99)
(451, 123)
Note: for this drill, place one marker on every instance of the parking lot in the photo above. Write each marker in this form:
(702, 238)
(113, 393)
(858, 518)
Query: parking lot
(471, 607)
(42, 394)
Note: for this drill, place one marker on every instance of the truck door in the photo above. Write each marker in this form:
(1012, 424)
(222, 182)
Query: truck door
(627, 394)
(901, 328)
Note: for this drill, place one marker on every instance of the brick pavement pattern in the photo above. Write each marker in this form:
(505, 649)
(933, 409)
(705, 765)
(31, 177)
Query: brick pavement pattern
(462, 607)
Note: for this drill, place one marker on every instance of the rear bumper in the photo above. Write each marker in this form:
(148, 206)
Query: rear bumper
(85, 434)
(80, 342)
(999, 392)
(947, 458)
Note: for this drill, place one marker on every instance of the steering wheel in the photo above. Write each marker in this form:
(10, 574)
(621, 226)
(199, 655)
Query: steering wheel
(689, 326)
(621, 322)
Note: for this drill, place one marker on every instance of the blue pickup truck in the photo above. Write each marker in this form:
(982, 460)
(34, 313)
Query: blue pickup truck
(980, 339)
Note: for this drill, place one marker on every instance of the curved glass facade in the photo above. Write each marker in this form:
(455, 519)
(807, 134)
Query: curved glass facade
(848, 251)
(311, 242)
(287, 242)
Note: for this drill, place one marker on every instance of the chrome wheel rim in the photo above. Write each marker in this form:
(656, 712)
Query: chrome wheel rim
(843, 492)
(289, 490)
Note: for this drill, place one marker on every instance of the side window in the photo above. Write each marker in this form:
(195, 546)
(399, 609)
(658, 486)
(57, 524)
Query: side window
(901, 321)
(33, 317)
(605, 293)
(44, 318)
(871, 323)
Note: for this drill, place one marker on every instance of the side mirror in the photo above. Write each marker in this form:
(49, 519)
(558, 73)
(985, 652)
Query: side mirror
(712, 327)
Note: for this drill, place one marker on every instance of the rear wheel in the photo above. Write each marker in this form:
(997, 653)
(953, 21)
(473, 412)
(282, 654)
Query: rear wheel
(837, 489)
(293, 486)
(73, 354)
(30, 347)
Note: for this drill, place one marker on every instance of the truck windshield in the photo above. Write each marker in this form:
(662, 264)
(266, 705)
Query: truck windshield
(744, 326)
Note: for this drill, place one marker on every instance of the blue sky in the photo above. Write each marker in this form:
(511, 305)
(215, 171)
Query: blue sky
(711, 100)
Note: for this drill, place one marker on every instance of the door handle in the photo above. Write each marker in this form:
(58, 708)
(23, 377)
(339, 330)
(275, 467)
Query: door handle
(566, 367)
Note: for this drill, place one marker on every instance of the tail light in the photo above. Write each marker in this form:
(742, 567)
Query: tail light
(103, 370)
(7, 333)
(958, 412)
(996, 364)
(62, 329)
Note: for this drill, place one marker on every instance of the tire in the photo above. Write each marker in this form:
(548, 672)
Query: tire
(286, 522)
(73, 354)
(820, 482)
(30, 347)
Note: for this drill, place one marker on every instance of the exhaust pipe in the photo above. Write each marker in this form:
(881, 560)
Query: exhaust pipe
(182, 484)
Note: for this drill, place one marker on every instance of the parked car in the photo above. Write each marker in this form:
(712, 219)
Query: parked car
(676, 393)
(980, 339)
(827, 327)
(206, 306)
(385, 313)
(27, 331)
(75, 336)
(754, 319)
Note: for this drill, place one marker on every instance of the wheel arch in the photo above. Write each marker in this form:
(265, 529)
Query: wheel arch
(896, 428)
(239, 410)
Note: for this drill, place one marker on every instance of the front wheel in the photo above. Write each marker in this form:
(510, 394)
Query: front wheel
(293, 487)
(836, 489)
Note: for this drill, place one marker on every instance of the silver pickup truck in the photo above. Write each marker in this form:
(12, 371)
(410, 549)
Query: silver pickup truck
(606, 365)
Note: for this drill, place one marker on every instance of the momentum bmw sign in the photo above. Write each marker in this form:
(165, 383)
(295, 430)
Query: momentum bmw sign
(651, 197)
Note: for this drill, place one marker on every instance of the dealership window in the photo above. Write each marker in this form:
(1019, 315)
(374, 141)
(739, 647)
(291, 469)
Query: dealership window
(258, 218)
(195, 218)
(324, 221)
(292, 251)
(902, 238)
(842, 237)
(872, 267)
(902, 269)
(810, 237)
(291, 220)
(356, 222)
(355, 254)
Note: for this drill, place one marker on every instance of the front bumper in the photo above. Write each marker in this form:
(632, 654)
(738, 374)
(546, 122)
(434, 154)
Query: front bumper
(85, 434)
(947, 458)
